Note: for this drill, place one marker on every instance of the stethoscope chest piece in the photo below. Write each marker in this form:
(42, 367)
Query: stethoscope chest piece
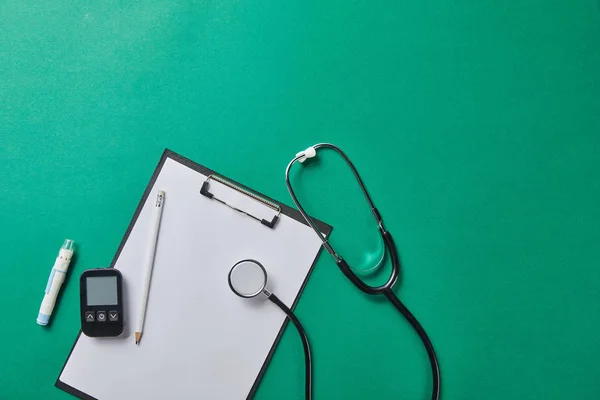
(247, 278)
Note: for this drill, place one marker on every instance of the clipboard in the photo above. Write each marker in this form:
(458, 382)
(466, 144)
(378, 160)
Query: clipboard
(221, 337)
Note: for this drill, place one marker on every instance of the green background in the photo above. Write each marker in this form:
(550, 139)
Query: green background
(475, 124)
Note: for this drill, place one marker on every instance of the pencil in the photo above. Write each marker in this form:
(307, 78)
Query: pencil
(149, 262)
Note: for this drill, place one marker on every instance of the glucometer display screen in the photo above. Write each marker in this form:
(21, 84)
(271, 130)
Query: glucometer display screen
(101, 290)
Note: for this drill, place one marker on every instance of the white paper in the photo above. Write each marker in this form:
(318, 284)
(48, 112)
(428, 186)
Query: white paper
(200, 340)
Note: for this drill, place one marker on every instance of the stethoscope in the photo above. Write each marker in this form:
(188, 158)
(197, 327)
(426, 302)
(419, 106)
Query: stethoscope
(247, 271)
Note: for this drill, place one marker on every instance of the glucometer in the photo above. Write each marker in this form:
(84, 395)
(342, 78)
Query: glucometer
(101, 299)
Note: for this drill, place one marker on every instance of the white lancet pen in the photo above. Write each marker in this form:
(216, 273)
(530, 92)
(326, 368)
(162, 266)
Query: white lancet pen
(57, 277)
(149, 262)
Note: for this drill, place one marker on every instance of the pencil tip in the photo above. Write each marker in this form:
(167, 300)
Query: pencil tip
(138, 336)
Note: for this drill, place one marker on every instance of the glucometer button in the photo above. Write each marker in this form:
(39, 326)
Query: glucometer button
(101, 316)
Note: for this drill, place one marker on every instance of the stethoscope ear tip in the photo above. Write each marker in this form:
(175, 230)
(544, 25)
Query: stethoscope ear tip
(306, 154)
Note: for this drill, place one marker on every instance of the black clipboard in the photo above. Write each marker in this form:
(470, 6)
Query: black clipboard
(286, 210)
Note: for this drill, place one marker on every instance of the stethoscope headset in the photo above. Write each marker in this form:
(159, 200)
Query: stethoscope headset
(248, 278)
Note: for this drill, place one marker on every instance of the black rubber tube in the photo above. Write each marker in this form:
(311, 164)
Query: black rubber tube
(302, 332)
(435, 368)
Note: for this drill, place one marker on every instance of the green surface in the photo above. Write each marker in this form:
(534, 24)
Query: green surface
(476, 126)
